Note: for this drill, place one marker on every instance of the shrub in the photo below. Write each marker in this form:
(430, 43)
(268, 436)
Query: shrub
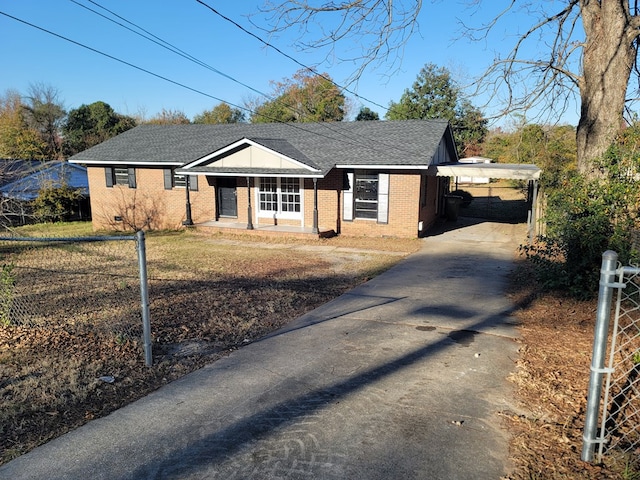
(588, 215)
(7, 283)
(55, 203)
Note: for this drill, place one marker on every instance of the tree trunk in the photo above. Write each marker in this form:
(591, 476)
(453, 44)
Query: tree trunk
(608, 57)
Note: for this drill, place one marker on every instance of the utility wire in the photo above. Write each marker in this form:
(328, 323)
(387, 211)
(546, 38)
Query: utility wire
(124, 62)
(306, 67)
(298, 126)
(168, 46)
(164, 44)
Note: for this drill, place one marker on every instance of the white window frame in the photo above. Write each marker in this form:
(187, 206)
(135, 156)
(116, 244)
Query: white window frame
(279, 198)
(121, 176)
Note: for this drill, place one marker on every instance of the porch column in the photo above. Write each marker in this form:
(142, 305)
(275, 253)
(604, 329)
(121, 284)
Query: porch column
(315, 206)
(188, 221)
(249, 210)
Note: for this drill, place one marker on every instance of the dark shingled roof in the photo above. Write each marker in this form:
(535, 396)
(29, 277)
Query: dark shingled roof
(318, 145)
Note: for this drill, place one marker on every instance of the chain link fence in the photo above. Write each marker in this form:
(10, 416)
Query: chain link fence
(615, 369)
(85, 290)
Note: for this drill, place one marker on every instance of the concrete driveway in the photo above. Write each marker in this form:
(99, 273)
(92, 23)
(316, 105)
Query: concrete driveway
(401, 378)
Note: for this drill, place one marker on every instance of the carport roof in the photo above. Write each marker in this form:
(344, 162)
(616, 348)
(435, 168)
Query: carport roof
(487, 170)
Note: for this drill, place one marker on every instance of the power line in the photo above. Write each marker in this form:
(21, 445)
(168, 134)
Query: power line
(124, 62)
(164, 44)
(169, 46)
(172, 48)
(306, 67)
(355, 141)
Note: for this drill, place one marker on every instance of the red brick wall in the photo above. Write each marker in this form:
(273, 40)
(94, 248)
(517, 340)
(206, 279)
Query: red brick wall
(404, 194)
(155, 207)
(409, 203)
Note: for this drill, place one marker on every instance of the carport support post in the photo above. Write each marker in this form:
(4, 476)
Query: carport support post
(144, 298)
(533, 221)
(603, 315)
(249, 211)
(315, 206)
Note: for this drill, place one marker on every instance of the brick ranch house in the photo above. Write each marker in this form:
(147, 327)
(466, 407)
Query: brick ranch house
(372, 178)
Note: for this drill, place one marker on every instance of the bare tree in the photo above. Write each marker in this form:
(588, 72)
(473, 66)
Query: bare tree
(45, 114)
(375, 30)
(169, 117)
(585, 49)
(14, 205)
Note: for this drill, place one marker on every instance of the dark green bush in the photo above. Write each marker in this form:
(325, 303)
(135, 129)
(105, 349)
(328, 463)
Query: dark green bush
(55, 203)
(587, 215)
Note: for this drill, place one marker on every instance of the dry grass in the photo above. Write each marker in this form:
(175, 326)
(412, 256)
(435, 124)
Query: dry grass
(551, 383)
(209, 295)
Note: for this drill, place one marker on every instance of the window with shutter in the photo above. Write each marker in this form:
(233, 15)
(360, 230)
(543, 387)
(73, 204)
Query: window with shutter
(120, 176)
(367, 197)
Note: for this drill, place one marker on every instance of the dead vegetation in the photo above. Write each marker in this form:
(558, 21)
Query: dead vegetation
(209, 297)
(551, 384)
(82, 358)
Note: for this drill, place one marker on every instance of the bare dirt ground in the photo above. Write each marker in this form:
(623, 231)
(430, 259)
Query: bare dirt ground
(50, 378)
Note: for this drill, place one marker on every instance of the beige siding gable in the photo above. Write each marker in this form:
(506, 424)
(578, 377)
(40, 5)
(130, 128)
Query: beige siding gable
(255, 157)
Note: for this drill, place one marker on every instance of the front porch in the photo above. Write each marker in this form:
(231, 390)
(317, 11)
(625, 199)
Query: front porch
(240, 227)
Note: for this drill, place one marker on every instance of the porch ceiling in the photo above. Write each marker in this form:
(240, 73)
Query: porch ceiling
(486, 170)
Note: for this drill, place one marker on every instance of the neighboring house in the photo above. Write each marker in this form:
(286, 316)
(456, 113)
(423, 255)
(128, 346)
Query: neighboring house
(352, 178)
(23, 180)
(12, 169)
(46, 174)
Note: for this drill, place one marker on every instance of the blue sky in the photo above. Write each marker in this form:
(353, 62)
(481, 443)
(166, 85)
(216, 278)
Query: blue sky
(81, 76)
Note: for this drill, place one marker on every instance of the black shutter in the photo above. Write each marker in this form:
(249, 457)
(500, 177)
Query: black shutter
(108, 176)
(132, 177)
(168, 179)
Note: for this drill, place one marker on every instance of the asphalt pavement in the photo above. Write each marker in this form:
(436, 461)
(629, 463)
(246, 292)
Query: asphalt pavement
(401, 378)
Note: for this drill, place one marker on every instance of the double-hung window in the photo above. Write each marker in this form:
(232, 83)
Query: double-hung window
(280, 196)
(175, 180)
(268, 195)
(179, 181)
(366, 196)
(290, 195)
(120, 176)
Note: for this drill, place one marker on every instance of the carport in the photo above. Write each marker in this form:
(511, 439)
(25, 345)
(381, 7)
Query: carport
(510, 171)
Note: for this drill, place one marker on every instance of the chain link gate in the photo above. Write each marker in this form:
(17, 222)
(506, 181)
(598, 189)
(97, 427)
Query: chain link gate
(615, 369)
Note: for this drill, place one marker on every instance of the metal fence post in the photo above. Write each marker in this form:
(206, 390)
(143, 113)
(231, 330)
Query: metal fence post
(603, 315)
(144, 298)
